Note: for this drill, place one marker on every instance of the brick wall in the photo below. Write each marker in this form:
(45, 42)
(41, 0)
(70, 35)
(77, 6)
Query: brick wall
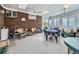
(1, 18)
(12, 22)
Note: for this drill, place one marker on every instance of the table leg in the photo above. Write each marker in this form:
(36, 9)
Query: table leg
(14, 36)
(59, 38)
(46, 37)
(68, 51)
(56, 39)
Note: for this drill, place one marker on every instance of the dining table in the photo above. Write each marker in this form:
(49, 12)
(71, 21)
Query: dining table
(73, 44)
(50, 32)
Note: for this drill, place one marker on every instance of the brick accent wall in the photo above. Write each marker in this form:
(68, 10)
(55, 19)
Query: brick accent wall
(12, 22)
(1, 18)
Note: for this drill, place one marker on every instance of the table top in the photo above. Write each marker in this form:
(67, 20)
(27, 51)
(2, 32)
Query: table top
(51, 30)
(72, 43)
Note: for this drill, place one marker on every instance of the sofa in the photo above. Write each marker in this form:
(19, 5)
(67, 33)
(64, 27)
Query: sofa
(22, 32)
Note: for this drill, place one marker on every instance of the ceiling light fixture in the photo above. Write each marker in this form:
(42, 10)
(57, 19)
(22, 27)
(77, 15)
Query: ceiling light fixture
(66, 6)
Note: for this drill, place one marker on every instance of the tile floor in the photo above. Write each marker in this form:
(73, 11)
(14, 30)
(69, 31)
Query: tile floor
(36, 44)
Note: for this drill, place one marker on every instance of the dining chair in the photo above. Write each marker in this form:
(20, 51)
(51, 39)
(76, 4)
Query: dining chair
(56, 28)
(47, 35)
(57, 35)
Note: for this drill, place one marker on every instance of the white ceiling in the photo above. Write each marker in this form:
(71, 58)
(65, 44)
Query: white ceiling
(53, 9)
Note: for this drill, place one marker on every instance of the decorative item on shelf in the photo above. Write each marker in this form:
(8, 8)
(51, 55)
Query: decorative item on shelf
(2, 11)
(23, 19)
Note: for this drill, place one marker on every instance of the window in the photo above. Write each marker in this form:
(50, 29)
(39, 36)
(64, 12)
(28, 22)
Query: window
(54, 22)
(58, 21)
(50, 22)
(45, 23)
(71, 21)
(68, 22)
(10, 13)
(65, 21)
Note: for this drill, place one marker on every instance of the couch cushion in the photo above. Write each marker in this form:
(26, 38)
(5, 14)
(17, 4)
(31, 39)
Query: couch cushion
(33, 29)
(20, 30)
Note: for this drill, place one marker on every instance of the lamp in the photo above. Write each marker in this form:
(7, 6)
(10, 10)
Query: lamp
(65, 7)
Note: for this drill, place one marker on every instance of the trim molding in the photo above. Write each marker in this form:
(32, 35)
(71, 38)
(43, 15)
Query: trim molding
(18, 10)
(13, 9)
